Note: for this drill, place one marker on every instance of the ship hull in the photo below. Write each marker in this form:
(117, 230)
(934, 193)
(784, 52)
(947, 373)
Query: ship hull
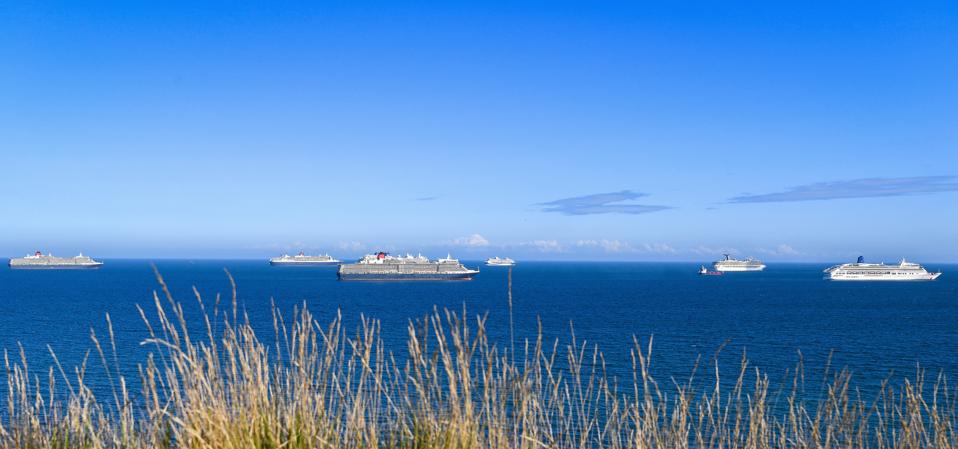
(56, 267)
(738, 268)
(303, 264)
(854, 278)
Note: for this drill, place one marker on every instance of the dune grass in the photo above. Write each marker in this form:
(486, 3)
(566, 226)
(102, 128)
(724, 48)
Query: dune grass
(323, 386)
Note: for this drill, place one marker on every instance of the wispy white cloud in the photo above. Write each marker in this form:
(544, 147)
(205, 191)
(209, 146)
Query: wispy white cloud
(707, 250)
(657, 248)
(780, 250)
(857, 188)
(619, 246)
(473, 241)
(609, 246)
(350, 246)
(786, 250)
(601, 203)
(545, 246)
(278, 246)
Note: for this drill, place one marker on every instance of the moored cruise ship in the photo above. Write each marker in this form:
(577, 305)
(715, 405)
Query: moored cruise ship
(49, 261)
(384, 267)
(861, 271)
(500, 262)
(302, 259)
(731, 264)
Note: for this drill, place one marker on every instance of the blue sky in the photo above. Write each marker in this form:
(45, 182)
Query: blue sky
(807, 131)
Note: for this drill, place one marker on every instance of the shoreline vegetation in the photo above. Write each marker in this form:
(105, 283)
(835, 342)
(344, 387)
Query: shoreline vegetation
(323, 386)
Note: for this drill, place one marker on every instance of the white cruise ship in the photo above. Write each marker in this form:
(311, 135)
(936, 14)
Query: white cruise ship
(384, 267)
(303, 259)
(39, 260)
(861, 271)
(730, 264)
(500, 262)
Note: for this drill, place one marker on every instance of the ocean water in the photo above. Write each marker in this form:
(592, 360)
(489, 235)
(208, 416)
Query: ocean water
(876, 330)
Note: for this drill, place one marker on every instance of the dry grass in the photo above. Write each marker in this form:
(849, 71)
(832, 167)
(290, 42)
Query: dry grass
(320, 386)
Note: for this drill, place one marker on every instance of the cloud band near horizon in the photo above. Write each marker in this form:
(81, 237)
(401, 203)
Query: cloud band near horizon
(602, 203)
(856, 188)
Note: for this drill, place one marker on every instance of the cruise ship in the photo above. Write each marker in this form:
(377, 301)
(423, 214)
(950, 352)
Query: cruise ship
(497, 262)
(385, 267)
(49, 261)
(730, 264)
(861, 271)
(302, 259)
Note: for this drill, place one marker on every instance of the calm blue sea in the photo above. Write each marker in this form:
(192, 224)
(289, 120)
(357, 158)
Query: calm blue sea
(874, 329)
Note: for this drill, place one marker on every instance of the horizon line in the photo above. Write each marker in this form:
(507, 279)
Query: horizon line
(519, 261)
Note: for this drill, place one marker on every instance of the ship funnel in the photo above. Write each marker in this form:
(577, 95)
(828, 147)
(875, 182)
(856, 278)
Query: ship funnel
(861, 259)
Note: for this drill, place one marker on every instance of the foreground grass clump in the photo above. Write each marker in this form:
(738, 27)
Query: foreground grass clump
(320, 386)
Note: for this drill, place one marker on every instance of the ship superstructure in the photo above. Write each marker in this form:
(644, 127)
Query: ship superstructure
(40, 260)
(862, 271)
(302, 259)
(732, 264)
(500, 262)
(385, 267)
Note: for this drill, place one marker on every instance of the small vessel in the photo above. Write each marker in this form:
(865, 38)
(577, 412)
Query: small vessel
(705, 272)
(497, 262)
(40, 261)
(862, 271)
(731, 264)
(302, 259)
(384, 267)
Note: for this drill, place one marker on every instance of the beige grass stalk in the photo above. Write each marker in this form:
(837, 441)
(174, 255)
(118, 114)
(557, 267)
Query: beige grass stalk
(324, 386)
